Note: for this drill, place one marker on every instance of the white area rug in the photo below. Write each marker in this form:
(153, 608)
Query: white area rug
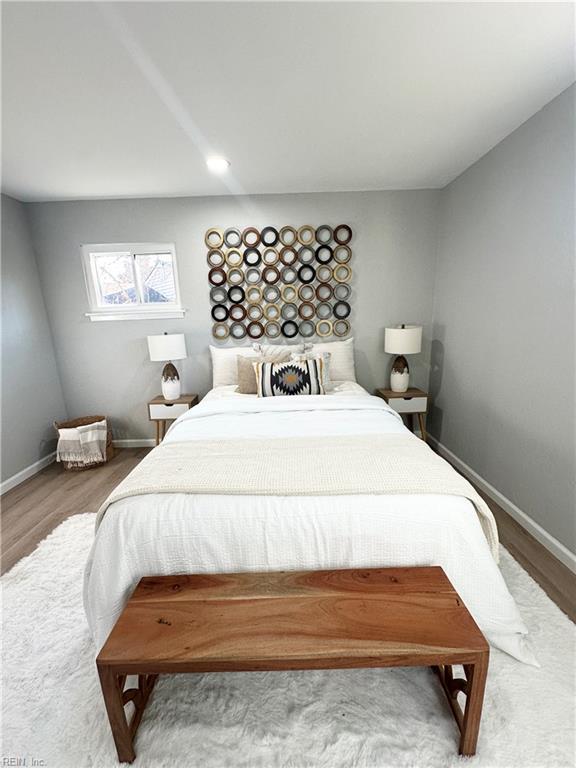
(53, 710)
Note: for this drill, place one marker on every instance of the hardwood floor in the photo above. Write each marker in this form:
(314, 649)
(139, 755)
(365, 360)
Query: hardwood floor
(33, 509)
(554, 577)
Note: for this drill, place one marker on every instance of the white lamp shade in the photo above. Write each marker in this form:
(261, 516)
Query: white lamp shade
(403, 341)
(167, 346)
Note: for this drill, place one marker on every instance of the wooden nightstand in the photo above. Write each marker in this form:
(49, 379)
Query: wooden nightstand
(161, 411)
(413, 402)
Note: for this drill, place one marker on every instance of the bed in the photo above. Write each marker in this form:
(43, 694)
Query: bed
(172, 533)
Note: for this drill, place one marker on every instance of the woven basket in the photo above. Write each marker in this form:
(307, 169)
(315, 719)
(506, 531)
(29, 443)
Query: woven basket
(73, 465)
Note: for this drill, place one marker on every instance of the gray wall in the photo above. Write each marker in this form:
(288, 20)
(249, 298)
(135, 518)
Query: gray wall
(104, 366)
(503, 349)
(31, 392)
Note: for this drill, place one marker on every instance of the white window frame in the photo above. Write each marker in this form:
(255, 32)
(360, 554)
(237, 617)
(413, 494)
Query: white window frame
(140, 311)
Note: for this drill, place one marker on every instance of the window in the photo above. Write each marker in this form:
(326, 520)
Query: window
(131, 280)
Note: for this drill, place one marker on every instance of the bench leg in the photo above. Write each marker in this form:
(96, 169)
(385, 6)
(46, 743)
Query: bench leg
(473, 687)
(115, 699)
(476, 682)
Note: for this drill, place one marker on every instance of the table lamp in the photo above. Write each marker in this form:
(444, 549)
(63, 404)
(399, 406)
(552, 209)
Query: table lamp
(168, 347)
(402, 340)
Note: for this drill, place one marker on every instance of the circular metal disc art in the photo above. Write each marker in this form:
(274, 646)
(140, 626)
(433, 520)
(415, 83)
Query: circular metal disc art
(214, 237)
(219, 313)
(251, 237)
(342, 234)
(342, 273)
(289, 329)
(235, 276)
(289, 293)
(306, 235)
(234, 258)
(288, 281)
(323, 311)
(273, 329)
(255, 312)
(217, 276)
(270, 275)
(306, 274)
(270, 256)
(269, 236)
(289, 312)
(237, 312)
(324, 254)
(341, 310)
(252, 257)
(271, 293)
(307, 329)
(324, 292)
(341, 328)
(342, 291)
(324, 234)
(215, 258)
(218, 295)
(289, 275)
(232, 237)
(236, 294)
(272, 312)
(237, 330)
(306, 292)
(324, 273)
(342, 254)
(252, 276)
(288, 256)
(254, 294)
(306, 255)
(255, 330)
(306, 310)
(323, 328)
(220, 331)
(288, 236)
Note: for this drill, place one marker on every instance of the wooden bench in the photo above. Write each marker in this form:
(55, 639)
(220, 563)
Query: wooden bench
(393, 617)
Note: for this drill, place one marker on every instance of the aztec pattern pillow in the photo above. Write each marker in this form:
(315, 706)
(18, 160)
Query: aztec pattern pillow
(326, 381)
(290, 378)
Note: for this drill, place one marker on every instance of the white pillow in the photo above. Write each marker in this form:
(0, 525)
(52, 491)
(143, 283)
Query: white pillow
(277, 353)
(225, 365)
(341, 358)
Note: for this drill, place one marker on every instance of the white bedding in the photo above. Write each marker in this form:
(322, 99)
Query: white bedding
(161, 534)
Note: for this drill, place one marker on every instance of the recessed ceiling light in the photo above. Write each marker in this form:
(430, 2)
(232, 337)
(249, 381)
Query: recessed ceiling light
(217, 164)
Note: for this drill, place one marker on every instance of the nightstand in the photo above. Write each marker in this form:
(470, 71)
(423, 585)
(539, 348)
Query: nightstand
(161, 411)
(413, 402)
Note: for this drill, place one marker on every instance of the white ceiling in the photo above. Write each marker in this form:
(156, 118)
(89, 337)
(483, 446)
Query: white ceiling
(116, 100)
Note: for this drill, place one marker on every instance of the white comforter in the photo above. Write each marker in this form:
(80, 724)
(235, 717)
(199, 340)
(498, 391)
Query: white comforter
(163, 534)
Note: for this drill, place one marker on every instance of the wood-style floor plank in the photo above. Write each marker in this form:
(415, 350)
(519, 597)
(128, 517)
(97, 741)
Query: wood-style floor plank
(35, 507)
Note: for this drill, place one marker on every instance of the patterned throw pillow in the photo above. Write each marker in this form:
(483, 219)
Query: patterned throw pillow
(298, 357)
(290, 378)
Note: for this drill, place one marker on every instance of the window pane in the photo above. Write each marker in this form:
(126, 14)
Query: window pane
(156, 272)
(115, 278)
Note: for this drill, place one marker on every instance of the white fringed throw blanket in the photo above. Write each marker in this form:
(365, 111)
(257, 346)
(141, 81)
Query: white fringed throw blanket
(313, 466)
(83, 445)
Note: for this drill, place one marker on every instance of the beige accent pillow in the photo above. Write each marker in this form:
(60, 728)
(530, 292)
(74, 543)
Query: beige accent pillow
(247, 375)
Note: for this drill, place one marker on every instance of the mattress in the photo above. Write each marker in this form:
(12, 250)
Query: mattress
(172, 533)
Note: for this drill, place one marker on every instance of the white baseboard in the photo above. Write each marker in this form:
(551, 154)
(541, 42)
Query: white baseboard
(548, 541)
(144, 442)
(24, 474)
